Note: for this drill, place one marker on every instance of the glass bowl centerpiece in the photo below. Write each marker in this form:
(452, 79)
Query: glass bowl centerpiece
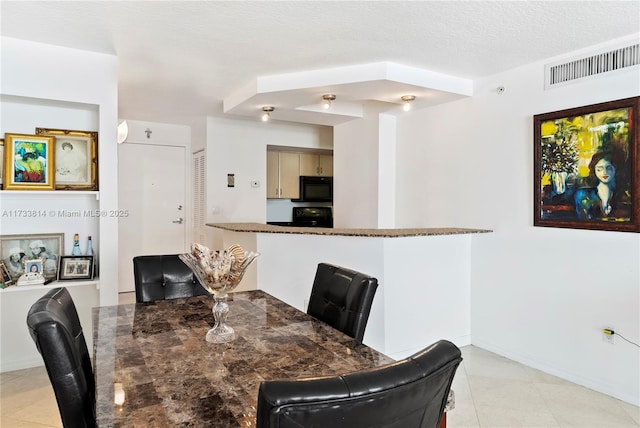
(219, 272)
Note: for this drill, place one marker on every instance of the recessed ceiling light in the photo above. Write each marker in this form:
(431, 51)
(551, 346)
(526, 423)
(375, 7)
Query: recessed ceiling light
(407, 101)
(326, 100)
(266, 111)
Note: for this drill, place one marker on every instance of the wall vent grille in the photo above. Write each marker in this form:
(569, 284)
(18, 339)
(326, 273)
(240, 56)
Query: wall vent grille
(604, 62)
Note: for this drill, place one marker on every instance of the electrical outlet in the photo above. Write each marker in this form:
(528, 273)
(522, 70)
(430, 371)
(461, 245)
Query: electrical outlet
(608, 338)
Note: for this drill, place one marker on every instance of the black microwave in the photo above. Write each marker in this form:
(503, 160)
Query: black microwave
(316, 189)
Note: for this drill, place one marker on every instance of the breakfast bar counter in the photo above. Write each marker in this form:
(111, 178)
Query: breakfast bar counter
(424, 275)
(377, 233)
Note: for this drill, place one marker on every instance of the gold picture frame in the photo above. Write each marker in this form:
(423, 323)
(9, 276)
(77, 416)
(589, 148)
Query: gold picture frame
(76, 158)
(1, 163)
(28, 162)
(6, 279)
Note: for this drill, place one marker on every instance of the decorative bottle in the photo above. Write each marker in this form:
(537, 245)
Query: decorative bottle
(89, 247)
(76, 245)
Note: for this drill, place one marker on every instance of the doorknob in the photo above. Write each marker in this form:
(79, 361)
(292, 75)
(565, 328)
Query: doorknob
(178, 221)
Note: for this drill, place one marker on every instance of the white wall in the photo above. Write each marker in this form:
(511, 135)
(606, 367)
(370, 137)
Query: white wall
(237, 146)
(54, 87)
(540, 296)
(355, 172)
(83, 78)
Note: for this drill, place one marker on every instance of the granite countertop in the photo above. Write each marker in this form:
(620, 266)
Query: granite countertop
(375, 233)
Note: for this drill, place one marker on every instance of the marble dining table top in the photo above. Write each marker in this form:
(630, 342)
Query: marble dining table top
(157, 354)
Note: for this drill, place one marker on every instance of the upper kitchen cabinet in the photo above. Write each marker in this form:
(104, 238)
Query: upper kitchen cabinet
(313, 164)
(283, 172)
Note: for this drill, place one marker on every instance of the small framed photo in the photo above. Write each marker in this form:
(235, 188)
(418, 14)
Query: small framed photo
(33, 266)
(28, 162)
(76, 158)
(6, 279)
(75, 267)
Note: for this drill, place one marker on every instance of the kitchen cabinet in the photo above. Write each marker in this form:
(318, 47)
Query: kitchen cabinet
(283, 172)
(313, 164)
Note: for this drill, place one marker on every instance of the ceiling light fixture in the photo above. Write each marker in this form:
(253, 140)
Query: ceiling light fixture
(407, 101)
(267, 110)
(326, 101)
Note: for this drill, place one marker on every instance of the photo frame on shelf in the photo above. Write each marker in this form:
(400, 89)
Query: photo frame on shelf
(5, 277)
(15, 249)
(75, 267)
(76, 158)
(33, 266)
(587, 167)
(28, 162)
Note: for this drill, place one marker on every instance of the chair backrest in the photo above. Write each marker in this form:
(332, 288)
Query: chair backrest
(55, 328)
(411, 393)
(162, 277)
(342, 298)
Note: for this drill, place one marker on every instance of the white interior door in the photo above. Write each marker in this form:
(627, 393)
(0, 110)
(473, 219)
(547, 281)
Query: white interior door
(151, 186)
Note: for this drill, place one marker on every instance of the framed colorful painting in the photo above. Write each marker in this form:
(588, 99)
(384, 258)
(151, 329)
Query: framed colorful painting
(28, 162)
(586, 167)
(76, 156)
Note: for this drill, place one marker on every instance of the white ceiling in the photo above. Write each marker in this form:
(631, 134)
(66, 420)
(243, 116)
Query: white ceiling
(178, 60)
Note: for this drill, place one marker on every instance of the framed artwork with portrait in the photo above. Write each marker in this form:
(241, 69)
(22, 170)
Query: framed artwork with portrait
(76, 157)
(15, 250)
(586, 167)
(28, 162)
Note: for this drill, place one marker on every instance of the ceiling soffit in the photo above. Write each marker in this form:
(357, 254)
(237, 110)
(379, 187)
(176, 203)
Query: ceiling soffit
(297, 97)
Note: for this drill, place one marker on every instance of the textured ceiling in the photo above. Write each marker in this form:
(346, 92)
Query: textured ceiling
(179, 59)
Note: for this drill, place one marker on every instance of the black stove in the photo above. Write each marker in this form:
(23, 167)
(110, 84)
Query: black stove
(312, 217)
(309, 217)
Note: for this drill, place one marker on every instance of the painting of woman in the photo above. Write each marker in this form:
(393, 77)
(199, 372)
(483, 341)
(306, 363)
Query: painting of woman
(605, 196)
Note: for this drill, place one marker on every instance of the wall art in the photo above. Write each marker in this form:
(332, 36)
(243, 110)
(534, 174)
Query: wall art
(28, 162)
(586, 167)
(76, 157)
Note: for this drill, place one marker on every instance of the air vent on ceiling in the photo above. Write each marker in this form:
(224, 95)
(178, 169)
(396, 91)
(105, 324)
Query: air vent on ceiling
(586, 66)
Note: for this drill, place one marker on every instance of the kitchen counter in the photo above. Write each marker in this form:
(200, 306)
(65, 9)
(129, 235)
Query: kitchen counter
(376, 233)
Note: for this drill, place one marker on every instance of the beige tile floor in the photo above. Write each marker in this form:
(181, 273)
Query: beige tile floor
(491, 392)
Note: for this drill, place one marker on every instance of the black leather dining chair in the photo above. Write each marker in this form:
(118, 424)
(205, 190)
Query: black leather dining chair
(342, 298)
(162, 277)
(411, 393)
(55, 328)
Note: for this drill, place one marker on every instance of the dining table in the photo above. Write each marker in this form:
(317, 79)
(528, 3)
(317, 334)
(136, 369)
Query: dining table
(153, 366)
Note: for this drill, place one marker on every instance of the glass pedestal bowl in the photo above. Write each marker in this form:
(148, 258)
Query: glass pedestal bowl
(219, 273)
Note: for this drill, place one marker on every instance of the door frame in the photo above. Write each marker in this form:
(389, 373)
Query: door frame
(167, 135)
